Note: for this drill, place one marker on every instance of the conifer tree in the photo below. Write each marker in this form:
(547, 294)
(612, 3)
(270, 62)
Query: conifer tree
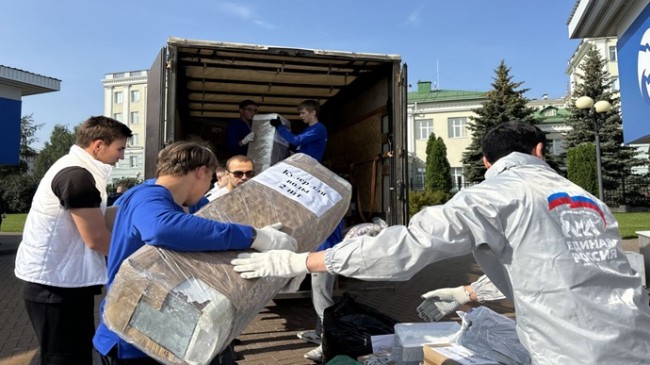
(617, 160)
(438, 169)
(505, 103)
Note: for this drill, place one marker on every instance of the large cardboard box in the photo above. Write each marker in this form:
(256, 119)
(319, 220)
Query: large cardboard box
(185, 307)
(452, 354)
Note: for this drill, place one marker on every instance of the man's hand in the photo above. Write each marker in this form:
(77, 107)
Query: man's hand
(438, 303)
(278, 263)
(276, 122)
(271, 238)
(248, 139)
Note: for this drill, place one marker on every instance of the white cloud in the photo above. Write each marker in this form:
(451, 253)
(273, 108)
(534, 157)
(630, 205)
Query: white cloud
(414, 17)
(245, 13)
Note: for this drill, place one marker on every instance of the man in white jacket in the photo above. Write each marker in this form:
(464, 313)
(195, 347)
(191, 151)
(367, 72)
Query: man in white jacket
(547, 244)
(61, 258)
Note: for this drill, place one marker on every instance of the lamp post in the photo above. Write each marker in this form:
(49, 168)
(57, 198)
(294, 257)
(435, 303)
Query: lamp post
(595, 111)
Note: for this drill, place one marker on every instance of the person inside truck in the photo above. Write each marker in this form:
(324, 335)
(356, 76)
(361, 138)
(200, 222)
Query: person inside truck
(312, 141)
(153, 214)
(61, 257)
(239, 131)
(550, 247)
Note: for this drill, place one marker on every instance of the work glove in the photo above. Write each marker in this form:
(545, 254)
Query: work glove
(276, 122)
(271, 238)
(440, 302)
(248, 139)
(278, 263)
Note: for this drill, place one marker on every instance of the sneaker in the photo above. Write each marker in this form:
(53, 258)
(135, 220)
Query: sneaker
(315, 355)
(309, 336)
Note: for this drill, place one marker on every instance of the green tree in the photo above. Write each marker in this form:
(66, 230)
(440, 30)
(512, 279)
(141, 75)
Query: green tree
(421, 199)
(60, 142)
(581, 167)
(617, 160)
(128, 182)
(438, 170)
(504, 103)
(18, 191)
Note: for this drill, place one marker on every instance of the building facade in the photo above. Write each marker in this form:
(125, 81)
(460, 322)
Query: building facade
(125, 95)
(447, 113)
(606, 47)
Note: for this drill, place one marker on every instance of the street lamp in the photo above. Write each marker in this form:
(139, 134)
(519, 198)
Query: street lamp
(595, 111)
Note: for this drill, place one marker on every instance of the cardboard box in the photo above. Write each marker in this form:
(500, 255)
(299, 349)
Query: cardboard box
(410, 337)
(452, 354)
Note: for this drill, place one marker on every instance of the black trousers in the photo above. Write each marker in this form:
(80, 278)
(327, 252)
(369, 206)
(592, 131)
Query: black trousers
(63, 319)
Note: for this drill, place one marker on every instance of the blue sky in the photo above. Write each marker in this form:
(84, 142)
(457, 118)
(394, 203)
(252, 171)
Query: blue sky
(79, 41)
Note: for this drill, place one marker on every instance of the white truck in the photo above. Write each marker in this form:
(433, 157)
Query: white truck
(194, 88)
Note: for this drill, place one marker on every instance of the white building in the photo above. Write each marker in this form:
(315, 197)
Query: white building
(125, 99)
(447, 114)
(606, 47)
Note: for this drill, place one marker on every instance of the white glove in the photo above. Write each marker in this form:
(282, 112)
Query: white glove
(279, 263)
(248, 139)
(438, 303)
(271, 238)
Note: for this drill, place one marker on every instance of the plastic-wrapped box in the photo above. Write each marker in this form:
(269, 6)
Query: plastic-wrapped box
(410, 337)
(186, 307)
(268, 147)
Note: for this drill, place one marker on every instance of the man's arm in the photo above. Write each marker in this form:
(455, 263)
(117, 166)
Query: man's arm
(92, 227)
(109, 217)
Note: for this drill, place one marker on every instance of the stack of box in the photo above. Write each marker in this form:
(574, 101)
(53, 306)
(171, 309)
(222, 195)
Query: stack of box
(411, 337)
(268, 147)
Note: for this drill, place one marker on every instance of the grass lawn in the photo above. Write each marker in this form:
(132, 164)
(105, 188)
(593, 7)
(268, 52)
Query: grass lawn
(13, 223)
(628, 223)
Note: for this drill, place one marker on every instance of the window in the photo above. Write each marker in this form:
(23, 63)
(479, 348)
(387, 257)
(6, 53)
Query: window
(556, 146)
(117, 116)
(423, 128)
(612, 53)
(118, 98)
(135, 117)
(457, 178)
(550, 112)
(133, 161)
(457, 127)
(135, 96)
(616, 86)
(133, 140)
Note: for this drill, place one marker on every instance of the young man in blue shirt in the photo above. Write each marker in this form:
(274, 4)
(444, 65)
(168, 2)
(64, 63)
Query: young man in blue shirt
(313, 139)
(239, 133)
(153, 214)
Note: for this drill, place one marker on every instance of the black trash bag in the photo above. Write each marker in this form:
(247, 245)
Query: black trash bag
(348, 325)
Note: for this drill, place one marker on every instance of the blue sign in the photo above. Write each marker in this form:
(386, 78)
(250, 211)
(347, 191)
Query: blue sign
(9, 131)
(634, 73)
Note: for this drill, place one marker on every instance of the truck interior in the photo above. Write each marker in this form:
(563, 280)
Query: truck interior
(356, 92)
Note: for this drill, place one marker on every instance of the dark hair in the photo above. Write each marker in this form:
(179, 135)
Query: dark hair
(100, 127)
(508, 137)
(240, 158)
(245, 103)
(310, 105)
(179, 158)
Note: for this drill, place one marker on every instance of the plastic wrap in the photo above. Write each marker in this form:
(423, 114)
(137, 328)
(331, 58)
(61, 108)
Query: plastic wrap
(184, 308)
(492, 335)
(268, 147)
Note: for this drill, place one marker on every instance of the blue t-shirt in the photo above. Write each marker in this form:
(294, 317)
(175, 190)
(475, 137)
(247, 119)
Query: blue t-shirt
(147, 214)
(311, 141)
(236, 131)
(193, 209)
(333, 239)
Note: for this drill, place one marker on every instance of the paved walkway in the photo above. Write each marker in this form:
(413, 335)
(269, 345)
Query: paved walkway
(271, 337)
